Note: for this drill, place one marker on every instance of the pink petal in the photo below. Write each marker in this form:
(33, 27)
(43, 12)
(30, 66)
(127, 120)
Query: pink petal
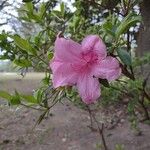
(108, 69)
(63, 73)
(89, 88)
(67, 50)
(95, 43)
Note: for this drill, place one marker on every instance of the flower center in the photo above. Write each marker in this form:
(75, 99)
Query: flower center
(88, 59)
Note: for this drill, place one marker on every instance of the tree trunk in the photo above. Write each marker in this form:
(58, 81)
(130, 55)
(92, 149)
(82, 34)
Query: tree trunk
(143, 40)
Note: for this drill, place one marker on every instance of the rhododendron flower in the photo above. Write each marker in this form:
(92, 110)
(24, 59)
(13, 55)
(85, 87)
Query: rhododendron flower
(82, 65)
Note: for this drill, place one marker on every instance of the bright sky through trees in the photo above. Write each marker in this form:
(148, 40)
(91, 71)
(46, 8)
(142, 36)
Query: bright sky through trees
(11, 11)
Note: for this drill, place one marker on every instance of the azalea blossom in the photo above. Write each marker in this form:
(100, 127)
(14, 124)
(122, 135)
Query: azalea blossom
(82, 65)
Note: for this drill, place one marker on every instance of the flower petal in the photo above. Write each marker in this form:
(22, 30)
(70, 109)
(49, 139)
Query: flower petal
(63, 73)
(94, 42)
(67, 50)
(108, 69)
(89, 88)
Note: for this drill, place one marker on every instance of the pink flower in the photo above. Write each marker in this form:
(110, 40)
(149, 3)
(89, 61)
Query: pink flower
(82, 65)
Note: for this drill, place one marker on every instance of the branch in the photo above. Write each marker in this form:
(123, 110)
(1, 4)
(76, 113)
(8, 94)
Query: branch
(1, 24)
(4, 4)
(101, 130)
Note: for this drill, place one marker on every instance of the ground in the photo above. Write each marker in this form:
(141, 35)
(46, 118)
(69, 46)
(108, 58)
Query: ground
(66, 129)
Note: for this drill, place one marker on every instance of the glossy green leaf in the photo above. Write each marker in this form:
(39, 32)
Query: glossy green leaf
(57, 14)
(22, 62)
(23, 44)
(29, 99)
(42, 10)
(34, 17)
(129, 21)
(62, 8)
(107, 26)
(76, 22)
(124, 56)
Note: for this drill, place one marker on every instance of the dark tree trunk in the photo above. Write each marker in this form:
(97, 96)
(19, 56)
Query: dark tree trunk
(143, 40)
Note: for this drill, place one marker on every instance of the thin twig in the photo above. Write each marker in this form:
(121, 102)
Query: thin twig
(100, 130)
(146, 114)
(42, 60)
(28, 106)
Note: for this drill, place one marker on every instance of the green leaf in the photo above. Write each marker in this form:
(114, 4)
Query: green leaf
(50, 55)
(15, 100)
(3, 37)
(30, 99)
(38, 94)
(46, 80)
(29, 6)
(129, 21)
(108, 28)
(62, 8)
(76, 22)
(34, 17)
(5, 95)
(124, 56)
(104, 82)
(22, 62)
(23, 44)
(3, 57)
(57, 14)
(42, 10)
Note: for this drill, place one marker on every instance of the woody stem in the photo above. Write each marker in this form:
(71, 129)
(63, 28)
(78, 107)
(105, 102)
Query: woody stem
(100, 129)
